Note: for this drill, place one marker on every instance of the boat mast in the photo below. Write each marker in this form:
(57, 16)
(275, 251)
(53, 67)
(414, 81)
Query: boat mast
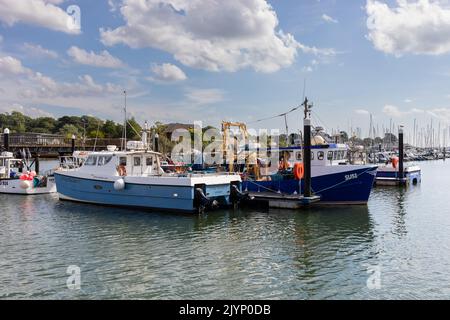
(125, 122)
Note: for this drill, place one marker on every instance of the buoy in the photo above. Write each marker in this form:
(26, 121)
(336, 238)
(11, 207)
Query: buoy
(25, 184)
(395, 162)
(119, 185)
(299, 170)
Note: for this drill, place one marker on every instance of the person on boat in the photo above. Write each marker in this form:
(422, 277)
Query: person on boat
(122, 169)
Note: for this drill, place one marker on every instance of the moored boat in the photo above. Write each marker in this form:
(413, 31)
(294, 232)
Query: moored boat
(332, 177)
(14, 181)
(134, 178)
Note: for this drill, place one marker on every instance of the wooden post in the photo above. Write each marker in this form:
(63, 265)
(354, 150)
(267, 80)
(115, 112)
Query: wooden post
(73, 144)
(6, 139)
(400, 153)
(307, 151)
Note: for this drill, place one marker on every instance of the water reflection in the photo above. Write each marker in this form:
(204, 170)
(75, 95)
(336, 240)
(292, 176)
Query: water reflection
(249, 253)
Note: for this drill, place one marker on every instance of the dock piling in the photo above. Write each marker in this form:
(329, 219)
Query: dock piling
(73, 144)
(6, 139)
(307, 156)
(401, 154)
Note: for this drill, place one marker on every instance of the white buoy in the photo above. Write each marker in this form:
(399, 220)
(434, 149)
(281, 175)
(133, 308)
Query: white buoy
(25, 184)
(119, 185)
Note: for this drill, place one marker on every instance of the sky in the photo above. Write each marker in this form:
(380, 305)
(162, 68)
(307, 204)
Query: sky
(237, 60)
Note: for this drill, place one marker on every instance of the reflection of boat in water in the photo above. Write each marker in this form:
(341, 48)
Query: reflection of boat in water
(14, 181)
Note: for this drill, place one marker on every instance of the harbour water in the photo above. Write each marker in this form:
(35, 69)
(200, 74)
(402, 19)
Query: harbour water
(397, 247)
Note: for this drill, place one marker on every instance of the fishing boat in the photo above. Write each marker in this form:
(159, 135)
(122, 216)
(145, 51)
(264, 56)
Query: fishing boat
(333, 179)
(13, 179)
(134, 177)
(330, 178)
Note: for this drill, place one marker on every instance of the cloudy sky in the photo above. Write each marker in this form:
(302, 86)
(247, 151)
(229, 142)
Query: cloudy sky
(213, 60)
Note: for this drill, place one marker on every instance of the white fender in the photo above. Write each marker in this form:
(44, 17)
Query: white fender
(119, 185)
(25, 184)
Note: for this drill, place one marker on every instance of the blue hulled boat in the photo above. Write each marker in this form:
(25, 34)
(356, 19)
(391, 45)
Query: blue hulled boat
(333, 178)
(134, 178)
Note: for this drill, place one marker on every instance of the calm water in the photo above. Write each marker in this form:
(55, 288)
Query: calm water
(402, 235)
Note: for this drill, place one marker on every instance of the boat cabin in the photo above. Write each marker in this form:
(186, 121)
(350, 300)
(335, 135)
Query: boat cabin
(130, 163)
(10, 168)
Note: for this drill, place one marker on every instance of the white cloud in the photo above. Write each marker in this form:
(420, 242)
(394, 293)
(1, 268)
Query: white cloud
(211, 35)
(12, 66)
(362, 112)
(29, 111)
(329, 19)
(205, 96)
(103, 60)
(37, 50)
(395, 112)
(30, 84)
(417, 27)
(43, 13)
(167, 72)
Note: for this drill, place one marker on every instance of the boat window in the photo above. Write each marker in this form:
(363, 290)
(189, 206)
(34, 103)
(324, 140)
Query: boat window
(335, 155)
(330, 155)
(320, 155)
(104, 160)
(1, 162)
(123, 161)
(149, 161)
(312, 155)
(91, 161)
(299, 156)
(137, 161)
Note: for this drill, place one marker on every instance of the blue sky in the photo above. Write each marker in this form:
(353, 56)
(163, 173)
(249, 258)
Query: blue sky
(242, 60)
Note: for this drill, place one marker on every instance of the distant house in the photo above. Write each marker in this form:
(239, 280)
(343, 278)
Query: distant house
(171, 127)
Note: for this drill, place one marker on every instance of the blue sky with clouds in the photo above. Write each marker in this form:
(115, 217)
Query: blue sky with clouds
(243, 60)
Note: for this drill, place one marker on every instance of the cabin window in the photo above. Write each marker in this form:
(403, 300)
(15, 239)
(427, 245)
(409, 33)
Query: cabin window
(104, 160)
(335, 155)
(137, 161)
(312, 155)
(1, 162)
(123, 161)
(149, 161)
(299, 156)
(91, 161)
(320, 155)
(330, 155)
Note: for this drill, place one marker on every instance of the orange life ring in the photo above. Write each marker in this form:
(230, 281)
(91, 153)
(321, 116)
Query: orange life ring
(395, 162)
(299, 170)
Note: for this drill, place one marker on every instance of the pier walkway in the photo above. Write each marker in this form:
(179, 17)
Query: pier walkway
(50, 145)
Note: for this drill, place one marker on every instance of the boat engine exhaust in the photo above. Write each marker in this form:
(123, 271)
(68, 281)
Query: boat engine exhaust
(237, 196)
(203, 202)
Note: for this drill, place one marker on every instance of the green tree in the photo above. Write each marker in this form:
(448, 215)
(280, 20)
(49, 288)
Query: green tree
(68, 130)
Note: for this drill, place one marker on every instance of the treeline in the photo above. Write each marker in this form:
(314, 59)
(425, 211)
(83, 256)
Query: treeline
(82, 127)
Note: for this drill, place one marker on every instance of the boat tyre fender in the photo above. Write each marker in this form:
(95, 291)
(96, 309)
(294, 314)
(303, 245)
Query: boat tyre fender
(299, 171)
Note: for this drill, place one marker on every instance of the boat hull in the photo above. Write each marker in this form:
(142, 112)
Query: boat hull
(341, 185)
(137, 195)
(12, 186)
(389, 176)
